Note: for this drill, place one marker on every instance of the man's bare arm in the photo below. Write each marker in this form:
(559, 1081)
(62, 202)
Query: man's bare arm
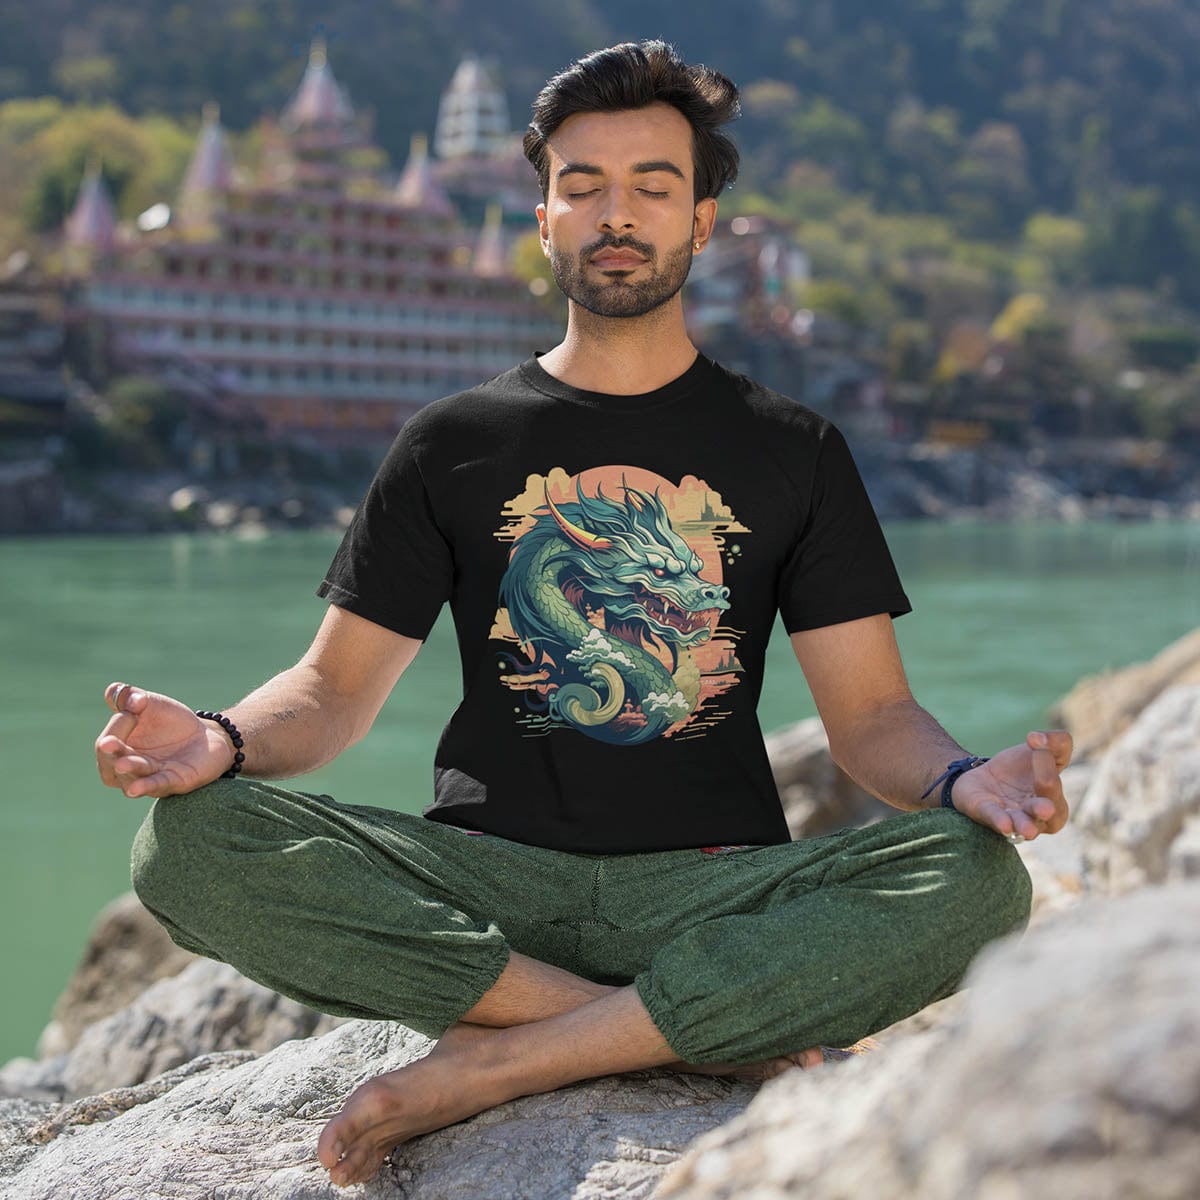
(884, 740)
(297, 721)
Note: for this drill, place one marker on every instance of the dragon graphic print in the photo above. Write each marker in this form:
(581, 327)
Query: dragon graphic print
(613, 606)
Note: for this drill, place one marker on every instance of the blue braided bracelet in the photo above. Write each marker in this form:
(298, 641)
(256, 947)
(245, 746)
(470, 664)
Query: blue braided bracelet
(960, 766)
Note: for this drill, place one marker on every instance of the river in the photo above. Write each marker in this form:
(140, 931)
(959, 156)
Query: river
(1007, 618)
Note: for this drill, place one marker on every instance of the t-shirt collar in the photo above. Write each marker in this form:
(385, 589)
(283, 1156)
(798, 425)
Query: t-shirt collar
(538, 377)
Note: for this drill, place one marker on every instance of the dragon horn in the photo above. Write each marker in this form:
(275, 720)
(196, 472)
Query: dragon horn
(631, 494)
(581, 537)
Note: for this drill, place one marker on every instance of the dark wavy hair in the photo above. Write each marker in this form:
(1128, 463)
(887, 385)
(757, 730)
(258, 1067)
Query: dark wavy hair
(634, 75)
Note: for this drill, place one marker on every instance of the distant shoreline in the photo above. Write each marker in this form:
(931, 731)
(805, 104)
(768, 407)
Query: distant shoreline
(905, 482)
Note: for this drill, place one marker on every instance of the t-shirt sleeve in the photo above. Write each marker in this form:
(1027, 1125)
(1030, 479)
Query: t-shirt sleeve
(840, 568)
(394, 566)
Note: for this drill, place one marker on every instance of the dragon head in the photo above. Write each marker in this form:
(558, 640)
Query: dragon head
(627, 558)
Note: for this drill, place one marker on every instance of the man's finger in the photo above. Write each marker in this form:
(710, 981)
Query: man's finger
(995, 816)
(161, 783)
(1058, 742)
(1047, 785)
(111, 746)
(124, 697)
(120, 725)
(134, 765)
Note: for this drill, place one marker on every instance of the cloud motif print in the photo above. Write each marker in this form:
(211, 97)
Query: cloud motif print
(612, 607)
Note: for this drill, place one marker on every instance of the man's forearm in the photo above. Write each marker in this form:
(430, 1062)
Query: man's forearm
(293, 724)
(895, 753)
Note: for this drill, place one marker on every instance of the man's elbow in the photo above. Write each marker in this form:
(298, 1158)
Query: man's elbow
(852, 737)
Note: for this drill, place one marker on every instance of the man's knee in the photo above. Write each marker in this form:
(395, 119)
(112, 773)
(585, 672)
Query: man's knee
(987, 874)
(170, 845)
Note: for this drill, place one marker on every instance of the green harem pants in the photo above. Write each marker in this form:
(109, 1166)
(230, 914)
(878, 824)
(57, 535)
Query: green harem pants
(738, 955)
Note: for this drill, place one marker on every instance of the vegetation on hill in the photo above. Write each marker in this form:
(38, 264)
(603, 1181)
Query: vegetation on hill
(1028, 165)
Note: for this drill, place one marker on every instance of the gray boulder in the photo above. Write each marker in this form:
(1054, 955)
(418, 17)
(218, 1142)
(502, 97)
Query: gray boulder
(1099, 708)
(1144, 799)
(207, 1007)
(1071, 1070)
(249, 1132)
(126, 951)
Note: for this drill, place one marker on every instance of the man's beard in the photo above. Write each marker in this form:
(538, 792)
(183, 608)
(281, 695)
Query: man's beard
(614, 296)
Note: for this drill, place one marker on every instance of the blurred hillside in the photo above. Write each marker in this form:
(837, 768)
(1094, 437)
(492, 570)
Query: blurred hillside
(986, 111)
(997, 201)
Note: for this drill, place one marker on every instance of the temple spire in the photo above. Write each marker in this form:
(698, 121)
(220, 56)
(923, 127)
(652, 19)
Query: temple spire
(473, 114)
(417, 187)
(93, 219)
(490, 259)
(320, 101)
(209, 174)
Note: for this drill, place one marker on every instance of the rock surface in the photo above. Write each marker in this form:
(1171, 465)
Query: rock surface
(126, 951)
(1099, 708)
(1144, 798)
(249, 1132)
(207, 1007)
(1071, 1067)
(1072, 1070)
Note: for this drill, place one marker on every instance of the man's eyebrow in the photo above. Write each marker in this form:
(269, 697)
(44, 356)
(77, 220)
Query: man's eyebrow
(642, 168)
(658, 164)
(578, 168)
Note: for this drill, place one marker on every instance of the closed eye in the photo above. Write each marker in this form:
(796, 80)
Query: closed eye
(652, 195)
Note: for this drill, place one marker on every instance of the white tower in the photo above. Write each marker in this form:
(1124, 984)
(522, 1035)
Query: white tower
(473, 114)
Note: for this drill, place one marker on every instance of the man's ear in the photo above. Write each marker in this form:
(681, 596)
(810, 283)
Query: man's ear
(703, 222)
(543, 228)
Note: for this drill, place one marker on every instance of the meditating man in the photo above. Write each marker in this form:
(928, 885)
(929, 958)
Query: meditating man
(603, 880)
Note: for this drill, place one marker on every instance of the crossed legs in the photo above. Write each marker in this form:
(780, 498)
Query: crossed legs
(539, 1028)
(723, 964)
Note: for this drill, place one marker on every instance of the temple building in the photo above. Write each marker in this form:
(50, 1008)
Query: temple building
(311, 294)
(479, 157)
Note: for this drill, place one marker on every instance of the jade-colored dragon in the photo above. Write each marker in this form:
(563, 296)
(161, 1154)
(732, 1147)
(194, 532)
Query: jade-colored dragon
(622, 559)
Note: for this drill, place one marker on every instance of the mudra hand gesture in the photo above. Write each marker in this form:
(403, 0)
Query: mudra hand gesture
(1019, 790)
(156, 746)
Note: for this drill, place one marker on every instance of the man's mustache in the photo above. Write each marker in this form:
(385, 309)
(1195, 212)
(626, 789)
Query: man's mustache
(607, 241)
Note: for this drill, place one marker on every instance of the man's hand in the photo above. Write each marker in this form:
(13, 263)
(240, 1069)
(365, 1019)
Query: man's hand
(1018, 790)
(156, 746)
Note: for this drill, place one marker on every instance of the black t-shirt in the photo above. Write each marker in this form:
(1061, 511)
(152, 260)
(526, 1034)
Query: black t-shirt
(614, 565)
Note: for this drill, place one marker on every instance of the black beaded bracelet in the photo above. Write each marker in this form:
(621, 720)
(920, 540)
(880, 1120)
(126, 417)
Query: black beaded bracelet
(234, 736)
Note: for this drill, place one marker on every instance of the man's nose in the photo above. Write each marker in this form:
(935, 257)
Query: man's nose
(616, 213)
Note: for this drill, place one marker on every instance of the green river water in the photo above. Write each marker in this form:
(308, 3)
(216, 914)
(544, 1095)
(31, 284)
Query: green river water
(1006, 618)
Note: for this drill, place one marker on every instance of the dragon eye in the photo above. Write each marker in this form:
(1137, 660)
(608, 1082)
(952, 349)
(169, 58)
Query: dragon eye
(659, 572)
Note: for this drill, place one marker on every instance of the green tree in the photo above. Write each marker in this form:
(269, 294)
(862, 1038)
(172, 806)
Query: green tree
(141, 161)
(88, 78)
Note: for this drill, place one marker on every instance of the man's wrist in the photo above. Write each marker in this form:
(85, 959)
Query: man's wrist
(232, 738)
(949, 777)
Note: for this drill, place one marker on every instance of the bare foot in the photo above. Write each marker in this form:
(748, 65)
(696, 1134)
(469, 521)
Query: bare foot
(458, 1078)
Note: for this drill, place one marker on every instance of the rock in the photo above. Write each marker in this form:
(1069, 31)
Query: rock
(18, 1119)
(1144, 794)
(1057, 862)
(1072, 1071)
(89, 1110)
(208, 1007)
(1183, 858)
(250, 1132)
(126, 951)
(1099, 708)
(818, 796)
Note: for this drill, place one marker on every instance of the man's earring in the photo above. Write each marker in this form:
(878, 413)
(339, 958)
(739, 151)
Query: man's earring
(697, 245)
